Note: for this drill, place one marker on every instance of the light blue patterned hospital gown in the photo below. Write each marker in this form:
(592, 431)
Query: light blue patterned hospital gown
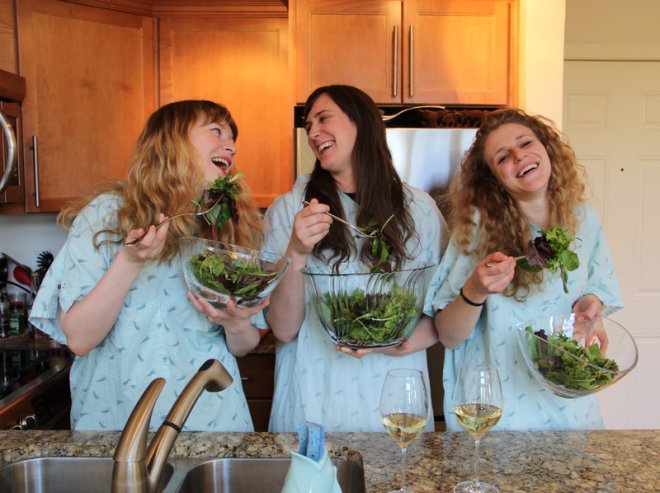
(527, 404)
(158, 334)
(315, 382)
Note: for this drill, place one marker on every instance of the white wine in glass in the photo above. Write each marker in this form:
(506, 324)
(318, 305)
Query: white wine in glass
(404, 409)
(478, 407)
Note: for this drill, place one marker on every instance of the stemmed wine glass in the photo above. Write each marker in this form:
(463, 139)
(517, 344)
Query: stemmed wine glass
(478, 407)
(404, 409)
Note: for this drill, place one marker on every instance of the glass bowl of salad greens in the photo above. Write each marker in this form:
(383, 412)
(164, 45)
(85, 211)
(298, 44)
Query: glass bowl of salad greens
(370, 309)
(219, 272)
(574, 358)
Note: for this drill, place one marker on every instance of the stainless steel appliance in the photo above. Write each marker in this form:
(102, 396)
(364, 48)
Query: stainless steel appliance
(427, 145)
(12, 181)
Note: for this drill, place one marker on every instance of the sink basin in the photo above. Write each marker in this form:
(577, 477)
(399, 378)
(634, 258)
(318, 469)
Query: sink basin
(62, 475)
(180, 475)
(262, 475)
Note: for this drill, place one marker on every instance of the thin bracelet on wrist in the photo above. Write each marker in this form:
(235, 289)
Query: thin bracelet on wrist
(468, 300)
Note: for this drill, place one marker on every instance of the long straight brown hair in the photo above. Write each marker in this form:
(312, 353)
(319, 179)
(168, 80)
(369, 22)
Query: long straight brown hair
(379, 190)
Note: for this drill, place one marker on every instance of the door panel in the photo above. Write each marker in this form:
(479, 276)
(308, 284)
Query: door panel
(612, 118)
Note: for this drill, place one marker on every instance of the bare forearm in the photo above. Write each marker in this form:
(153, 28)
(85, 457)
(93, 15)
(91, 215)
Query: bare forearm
(286, 312)
(89, 320)
(455, 322)
(241, 339)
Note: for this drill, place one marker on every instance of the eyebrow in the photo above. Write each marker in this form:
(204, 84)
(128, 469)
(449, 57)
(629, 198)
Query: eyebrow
(521, 136)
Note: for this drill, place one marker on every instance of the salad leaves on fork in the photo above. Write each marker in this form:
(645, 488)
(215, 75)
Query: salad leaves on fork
(225, 190)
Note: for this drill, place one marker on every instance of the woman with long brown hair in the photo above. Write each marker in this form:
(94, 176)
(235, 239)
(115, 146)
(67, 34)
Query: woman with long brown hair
(115, 293)
(353, 178)
(518, 179)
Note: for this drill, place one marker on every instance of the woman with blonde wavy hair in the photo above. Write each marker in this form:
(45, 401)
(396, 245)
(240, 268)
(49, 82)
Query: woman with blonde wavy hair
(115, 293)
(518, 179)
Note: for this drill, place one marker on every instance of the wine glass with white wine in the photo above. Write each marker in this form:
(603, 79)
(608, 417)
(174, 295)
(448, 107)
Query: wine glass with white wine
(404, 410)
(478, 407)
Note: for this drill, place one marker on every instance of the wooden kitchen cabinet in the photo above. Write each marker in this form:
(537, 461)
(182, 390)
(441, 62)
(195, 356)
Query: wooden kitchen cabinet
(257, 373)
(458, 52)
(240, 61)
(91, 84)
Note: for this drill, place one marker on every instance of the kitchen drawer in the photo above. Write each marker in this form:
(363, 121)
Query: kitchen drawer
(260, 412)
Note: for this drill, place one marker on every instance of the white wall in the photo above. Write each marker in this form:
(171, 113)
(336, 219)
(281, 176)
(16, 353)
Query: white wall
(542, 57)
(24, 237)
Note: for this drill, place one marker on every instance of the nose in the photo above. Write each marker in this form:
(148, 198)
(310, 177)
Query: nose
(230, 147)
(518, 154)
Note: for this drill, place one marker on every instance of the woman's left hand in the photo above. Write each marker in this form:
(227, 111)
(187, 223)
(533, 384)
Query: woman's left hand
(587, 307)
(231, 315)
(588, 322)
(406, 347)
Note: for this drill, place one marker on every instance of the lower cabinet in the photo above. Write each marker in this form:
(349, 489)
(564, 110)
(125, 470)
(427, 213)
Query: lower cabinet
(257, 372)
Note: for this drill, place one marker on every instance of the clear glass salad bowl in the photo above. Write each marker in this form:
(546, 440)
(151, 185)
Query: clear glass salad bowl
(219, 271)
(369, 310)
(574, 358)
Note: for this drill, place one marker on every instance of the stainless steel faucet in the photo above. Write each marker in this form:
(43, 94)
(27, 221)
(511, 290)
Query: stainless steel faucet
(138, 469)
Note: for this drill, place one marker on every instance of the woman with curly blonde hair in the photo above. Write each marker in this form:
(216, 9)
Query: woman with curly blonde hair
(518, 179)
(116, 295)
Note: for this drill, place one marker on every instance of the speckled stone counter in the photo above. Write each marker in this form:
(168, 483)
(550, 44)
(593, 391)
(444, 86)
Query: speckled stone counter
(598, 461)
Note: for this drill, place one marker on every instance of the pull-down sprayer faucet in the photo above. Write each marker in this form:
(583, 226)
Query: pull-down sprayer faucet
(138, 469)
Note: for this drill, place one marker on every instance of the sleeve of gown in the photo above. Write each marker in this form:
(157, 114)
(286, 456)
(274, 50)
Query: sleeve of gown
(602, 280)
(455, 267)
(279, 224)
(76, 269)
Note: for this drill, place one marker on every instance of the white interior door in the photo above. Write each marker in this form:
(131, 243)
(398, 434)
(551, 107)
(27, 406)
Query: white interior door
(612, 119)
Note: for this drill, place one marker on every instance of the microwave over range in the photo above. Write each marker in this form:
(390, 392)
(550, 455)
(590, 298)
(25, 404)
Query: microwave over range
(12, 179)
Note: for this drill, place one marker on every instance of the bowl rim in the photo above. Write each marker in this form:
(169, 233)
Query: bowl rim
(223, 246)
(309, 271)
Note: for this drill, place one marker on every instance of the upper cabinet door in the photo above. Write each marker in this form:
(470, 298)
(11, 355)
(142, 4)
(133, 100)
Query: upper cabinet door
(90, 87)
(349, 42)
(457, 52)
(242, 63)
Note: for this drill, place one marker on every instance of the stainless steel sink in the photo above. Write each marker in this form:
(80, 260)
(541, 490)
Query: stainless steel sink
(262, 475)
(232, 475)
(62, 475)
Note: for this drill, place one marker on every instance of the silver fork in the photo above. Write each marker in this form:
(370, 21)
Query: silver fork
(359, 231)
(158, 225)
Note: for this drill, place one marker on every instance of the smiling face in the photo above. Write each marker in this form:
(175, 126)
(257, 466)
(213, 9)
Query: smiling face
(215, 147)
(331, 134)
(519, 161)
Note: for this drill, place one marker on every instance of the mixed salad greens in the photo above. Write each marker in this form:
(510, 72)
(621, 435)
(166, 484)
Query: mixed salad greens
(233, 277)
(380, 248)
(563, 361)
(361, 319)
(551, 251)
(224, 193)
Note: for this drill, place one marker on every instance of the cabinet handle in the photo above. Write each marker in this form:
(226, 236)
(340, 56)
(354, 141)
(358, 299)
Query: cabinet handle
(395, 61)
(244, 379)
(35, 163)
(10, 137)
(411, 51)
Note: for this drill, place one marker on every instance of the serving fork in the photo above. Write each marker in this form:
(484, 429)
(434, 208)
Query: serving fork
(359, 231)
(158, 225)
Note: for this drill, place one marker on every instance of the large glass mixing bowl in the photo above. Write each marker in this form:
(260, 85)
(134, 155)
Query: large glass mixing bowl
(369, 310)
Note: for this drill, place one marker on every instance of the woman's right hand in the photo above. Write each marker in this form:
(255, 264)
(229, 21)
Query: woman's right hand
(310, 226)
(150, 245)
(492, 275)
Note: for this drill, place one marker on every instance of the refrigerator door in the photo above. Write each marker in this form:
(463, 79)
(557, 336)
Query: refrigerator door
(427, 158)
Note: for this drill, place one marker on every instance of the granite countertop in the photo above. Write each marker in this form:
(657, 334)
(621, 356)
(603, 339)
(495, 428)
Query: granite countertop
(549, 462)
